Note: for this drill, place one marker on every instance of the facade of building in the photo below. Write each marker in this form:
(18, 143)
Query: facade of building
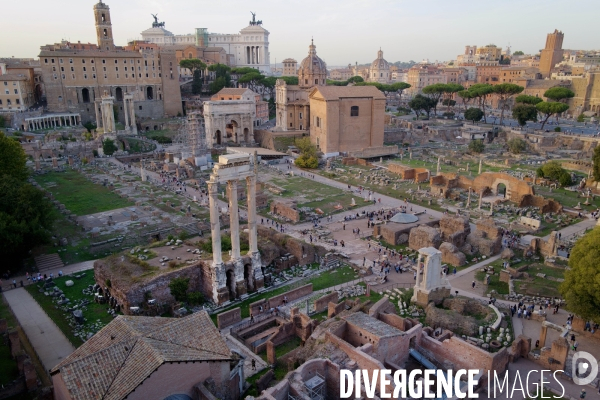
(422, 75)
(552, 54)
(512, 74)
(248, 48)
(313, 70)
(293, 111)
(346, 118)
(290, 67)
(137, 357)
(262, 107)
(16, 92)
(229, 121)
(380, 70)
(341, 74)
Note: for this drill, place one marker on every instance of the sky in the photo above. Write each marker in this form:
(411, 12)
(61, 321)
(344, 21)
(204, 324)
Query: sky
(344, 31)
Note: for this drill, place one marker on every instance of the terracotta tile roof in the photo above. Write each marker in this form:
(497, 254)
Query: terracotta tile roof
(116, 360)
(336, 92)
(231, 91)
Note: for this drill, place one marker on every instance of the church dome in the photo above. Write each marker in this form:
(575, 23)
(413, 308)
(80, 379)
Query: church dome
(379, 62)
(313, 65)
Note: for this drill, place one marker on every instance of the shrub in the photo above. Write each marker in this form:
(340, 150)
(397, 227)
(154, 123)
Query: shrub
(195, 298)
(172, 264)
(179, 288)
(557, 129)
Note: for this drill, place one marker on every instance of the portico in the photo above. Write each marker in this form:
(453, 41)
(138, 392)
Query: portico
(52, 121)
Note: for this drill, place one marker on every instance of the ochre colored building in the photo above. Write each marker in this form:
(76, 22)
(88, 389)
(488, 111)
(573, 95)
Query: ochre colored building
(346, 118)
(552, 54)
(76, 76)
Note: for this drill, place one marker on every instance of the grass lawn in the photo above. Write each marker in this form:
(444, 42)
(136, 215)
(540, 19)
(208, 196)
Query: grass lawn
(92, 312)
(312, 194)
(538, 286)
(78, 194)
(8, 366)
(324, 280)
(495, 284)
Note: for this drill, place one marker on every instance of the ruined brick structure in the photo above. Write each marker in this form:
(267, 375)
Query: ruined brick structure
(417, 174)
(424, 236)
(286, 208)
(455, 229)
(487, 182)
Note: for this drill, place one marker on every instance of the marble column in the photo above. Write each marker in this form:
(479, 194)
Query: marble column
(234, 219)
(215, 225)
(438, 166)
(252, 236)
(480, 166)
(480, 198)
(469, 198)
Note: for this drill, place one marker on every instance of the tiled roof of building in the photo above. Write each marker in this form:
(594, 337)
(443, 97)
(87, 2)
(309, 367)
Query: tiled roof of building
(372, 325)
(116, 360)
(336, 92)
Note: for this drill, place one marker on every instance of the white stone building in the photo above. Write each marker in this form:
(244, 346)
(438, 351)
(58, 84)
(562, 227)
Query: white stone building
(248, 48)
(229, 121)
(380, 70)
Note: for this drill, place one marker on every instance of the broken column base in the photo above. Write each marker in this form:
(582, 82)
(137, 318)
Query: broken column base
(422, 297)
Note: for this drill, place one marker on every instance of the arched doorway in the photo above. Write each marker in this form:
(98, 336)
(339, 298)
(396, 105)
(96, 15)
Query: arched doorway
(231, 284)
(501, 190)
(119, 94)
(248, 277)
(246, 135)
(85, 95)
(218, 136)
(232, 130)
(149, 93)
(38, 92)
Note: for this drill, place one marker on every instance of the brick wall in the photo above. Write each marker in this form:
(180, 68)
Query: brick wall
(228, 318)
(277, 300)
(334, 309)
(322, 303)
(285, 209)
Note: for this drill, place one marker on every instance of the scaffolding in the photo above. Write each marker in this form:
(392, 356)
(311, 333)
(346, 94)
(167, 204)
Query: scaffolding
(316, 387)
(191, 139)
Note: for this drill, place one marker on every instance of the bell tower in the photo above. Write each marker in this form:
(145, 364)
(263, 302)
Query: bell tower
(103, 26)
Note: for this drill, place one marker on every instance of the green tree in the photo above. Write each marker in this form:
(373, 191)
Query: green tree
(504, 61)
(109, 147)
(222, 77)
(581, 288)
(596, 164)
(448, 103)
(12, 159)
(193, 64)
(197, 82)
(476, 146)
(565, 179)
(90, 126)
(527, 99)
(290, 80)
(2, 121)
(421, 103)
(252, 79)
(518, 53)
(559, 93)
(449, 92)
(481, 91)
(308, 154)
(505, 91)
(466, 96)
(473, 114)
(524, 112)
(517, 145)
(539, 172)
(26, 217)
(550, 108)
(581, 118)
(355, 79)
(554, 171)
(435, 92)
(179, 288)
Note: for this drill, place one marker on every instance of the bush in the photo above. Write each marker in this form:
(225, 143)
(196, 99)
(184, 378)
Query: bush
(517, 145)
(476, 146)
(565, 179)
(449, 114)
(225, 244)
(581, 118)
(304, 161)
(473, 114)
(172, 264)
(179, 288)
(195, 298)
(557, 129)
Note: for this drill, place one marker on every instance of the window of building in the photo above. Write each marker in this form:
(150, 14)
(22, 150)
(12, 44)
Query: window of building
(83, 61)
(92, 61)
(70, 61)
(140, 107)
(93, 76)
(104, 68)
(117, 69)
(16, 91)
(116, 61)
(300, 116)
(5, 83)
(84, 70)
(72, 69)
(0, 102)
(103, 61)
(63, 76)
(60, 60)
(354, 111)
(53, 61)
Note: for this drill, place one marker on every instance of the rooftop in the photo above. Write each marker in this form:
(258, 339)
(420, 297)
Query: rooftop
(128, 350)
(337, 92)
(372, 325)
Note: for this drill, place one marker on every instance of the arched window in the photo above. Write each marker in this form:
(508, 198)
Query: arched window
(119, 94)
(354, 111)
(149, 93)
(190, 56)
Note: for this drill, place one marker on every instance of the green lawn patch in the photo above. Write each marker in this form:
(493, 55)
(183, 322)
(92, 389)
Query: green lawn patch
(93, 312)
(78, 194)
(322, 281)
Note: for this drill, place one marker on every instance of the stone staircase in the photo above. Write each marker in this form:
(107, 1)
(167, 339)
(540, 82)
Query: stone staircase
(48, 261)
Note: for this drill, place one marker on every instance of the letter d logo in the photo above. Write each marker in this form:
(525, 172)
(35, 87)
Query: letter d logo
(584, 368)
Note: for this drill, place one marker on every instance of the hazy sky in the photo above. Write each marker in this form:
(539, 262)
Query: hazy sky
(344, 31)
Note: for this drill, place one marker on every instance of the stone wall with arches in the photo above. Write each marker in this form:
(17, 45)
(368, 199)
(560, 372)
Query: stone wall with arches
(229, 121)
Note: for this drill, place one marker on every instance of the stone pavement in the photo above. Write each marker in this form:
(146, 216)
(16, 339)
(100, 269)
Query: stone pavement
(50, 344)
